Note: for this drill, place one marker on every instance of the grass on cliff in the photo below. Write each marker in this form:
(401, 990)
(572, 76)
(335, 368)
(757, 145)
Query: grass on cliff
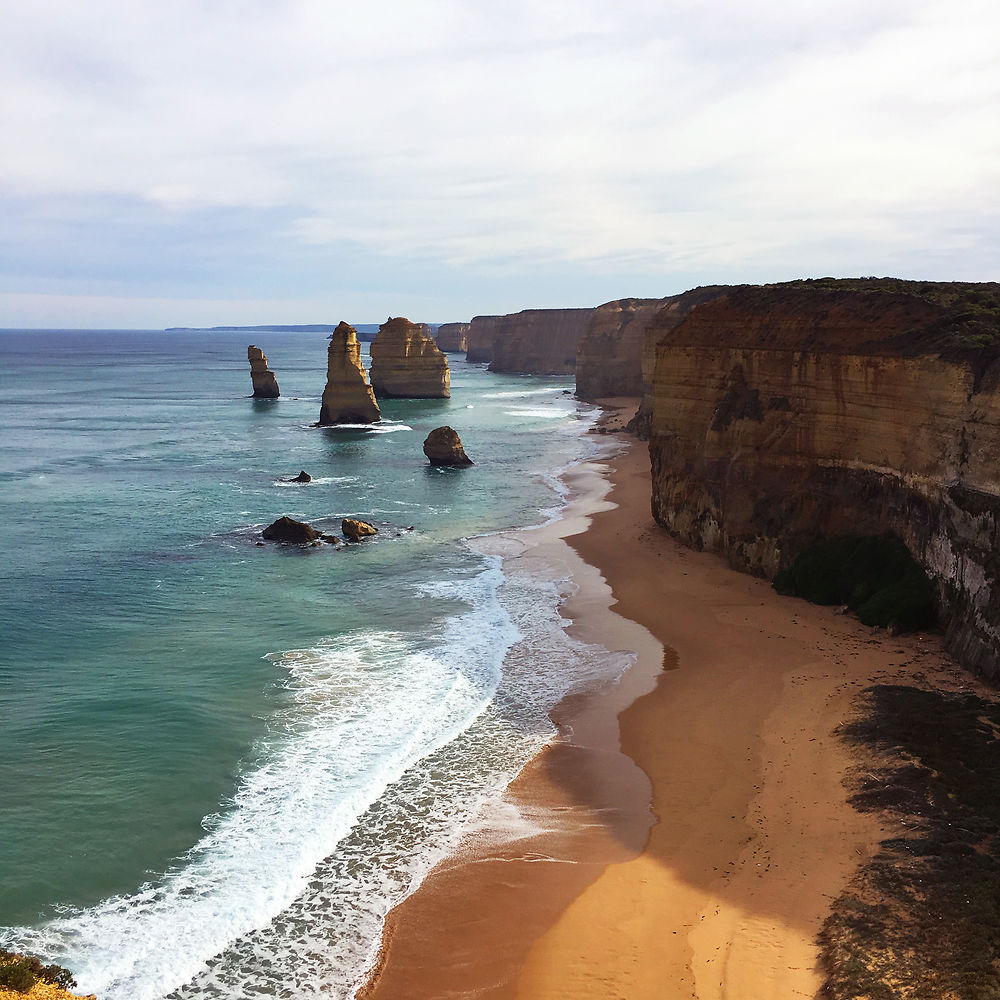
(19, 973)
(966, 314)
(921, 919)
(875, 576)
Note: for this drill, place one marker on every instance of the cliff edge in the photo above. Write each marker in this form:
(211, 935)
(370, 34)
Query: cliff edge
(786, 413)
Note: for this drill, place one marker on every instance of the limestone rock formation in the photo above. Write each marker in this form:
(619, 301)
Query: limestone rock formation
(539, 341)
(443, 446)
(287, 529)
(479, 339)
(406, 363)
(265, 385)
(453, 337)
(787, 413)
(354, 530)
(347, 398)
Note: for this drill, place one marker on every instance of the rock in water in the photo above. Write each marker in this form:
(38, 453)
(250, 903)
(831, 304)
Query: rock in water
(406, 363)
(302, 477)
(444, 447)
(453, 337)
(265, 385)
(354, 530)
(347, 398)
(287, 529)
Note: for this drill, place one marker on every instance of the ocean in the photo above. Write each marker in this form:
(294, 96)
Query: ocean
(221, 763)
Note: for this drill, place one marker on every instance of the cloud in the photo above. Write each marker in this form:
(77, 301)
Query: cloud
(670, 138)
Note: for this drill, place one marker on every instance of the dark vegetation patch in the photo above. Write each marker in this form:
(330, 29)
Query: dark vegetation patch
(20, 972)
(921, 920)
(874, 575)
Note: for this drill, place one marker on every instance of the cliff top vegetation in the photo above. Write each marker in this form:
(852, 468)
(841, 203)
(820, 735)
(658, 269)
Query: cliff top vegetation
(959, 320)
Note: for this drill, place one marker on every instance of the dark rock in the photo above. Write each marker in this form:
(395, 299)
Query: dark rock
(287, 529)
(354, 530)
(443, 446)
(302, 477)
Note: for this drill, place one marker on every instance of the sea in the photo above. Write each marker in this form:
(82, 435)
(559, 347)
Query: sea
(222, 762)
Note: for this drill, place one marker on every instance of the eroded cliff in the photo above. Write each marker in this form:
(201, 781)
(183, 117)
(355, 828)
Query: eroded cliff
(347, 398)
(452, 337)
(479, 339)
(406, 363)
(265, 385)
(786, 413)
(539, 341)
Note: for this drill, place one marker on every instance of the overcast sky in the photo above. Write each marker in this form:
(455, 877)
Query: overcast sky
(296, 161)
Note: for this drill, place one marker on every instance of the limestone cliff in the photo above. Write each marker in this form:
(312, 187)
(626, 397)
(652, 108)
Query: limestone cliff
(479, 340)
(539, 341)
(453, 337)
(406, 363)
(265, 385)
(347, 398)
(785, 413)
(609, 357)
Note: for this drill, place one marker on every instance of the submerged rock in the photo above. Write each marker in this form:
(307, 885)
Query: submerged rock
(287, 529)
(406, 363)
(347, 398)
(354, 530)
(443, 446)
(265, 385)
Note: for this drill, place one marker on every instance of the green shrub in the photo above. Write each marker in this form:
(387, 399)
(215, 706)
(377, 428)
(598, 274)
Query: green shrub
(16, 974)
(874, 575)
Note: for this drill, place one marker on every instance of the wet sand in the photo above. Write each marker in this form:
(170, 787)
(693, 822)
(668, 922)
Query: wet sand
(689, 827)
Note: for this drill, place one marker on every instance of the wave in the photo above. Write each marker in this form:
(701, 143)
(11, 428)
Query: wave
(364, 707)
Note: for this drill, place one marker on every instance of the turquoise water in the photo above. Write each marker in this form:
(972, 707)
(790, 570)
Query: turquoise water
(222, 762)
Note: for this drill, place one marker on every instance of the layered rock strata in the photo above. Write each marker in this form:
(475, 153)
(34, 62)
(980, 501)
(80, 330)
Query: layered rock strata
(786, 413)
(443, 446)
(453, 337)
(265, 385)
(479, 339)
(347, 398)
(539, 341)
(406, 363)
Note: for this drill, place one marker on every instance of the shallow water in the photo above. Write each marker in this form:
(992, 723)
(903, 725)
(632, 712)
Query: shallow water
(223, 762)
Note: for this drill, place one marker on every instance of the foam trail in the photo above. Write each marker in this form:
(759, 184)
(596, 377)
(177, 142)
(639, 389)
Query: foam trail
(365, 707)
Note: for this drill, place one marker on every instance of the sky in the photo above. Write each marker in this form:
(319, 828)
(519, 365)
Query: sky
(210, 162)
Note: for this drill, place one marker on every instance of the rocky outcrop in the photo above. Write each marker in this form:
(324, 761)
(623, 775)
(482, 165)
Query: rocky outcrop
(539, 341)
(406, 363)
(453, 337)
(265, 385)
(347, 398)
(302, 477)
(287, 529)
(443, 446)
(786, 413)
(354, 530)
(479, 339)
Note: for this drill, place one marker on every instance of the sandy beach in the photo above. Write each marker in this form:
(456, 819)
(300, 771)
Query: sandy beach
(689, 828)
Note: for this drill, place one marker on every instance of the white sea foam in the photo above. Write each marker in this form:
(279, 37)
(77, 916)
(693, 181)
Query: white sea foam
(316, 481)
(524, 393)
(364, 708)
(537, 413)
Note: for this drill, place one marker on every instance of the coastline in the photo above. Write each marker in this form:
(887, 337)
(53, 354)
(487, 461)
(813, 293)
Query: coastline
(700, 859)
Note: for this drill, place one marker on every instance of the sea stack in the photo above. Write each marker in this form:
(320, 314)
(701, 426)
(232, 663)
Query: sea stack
(406, 363)
(347, 398)
(443, 446)
(265, 385)
(453, 337)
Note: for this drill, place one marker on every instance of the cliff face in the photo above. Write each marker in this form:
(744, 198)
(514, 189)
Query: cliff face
(479, 340)
(347, 398)
(406, 363)
(539, 341)
(787, 413)
(453, 337)
(265, 385)
(609, 357)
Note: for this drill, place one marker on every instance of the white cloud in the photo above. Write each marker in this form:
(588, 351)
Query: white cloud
(669, 135)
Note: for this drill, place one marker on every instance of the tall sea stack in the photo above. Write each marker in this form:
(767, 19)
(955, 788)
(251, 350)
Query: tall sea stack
(406, 363)
(347, 398)
(265, 385)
